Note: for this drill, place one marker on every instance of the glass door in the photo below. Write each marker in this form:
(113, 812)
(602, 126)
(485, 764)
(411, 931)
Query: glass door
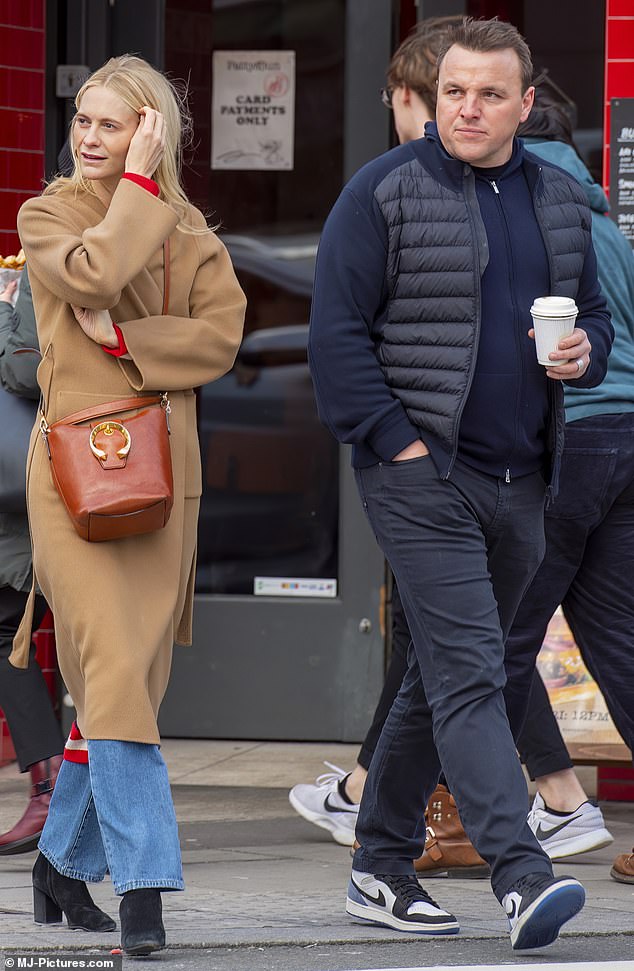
(288, 620)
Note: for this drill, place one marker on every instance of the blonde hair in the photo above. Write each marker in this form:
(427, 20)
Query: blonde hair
(137, 83)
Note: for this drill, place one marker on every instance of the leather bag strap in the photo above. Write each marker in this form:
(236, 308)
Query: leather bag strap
(166, 276)
(109, 408)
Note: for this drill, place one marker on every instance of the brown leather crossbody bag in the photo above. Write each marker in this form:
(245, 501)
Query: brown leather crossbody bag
(112, 464)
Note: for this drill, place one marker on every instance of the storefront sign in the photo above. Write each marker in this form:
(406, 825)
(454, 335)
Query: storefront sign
(294, 587)
(253, 111)
(622, 165)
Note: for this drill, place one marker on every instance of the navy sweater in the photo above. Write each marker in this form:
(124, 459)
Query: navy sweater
(503, 422)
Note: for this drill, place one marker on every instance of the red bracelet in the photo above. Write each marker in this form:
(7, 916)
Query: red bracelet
(144, 182)
(121, 349)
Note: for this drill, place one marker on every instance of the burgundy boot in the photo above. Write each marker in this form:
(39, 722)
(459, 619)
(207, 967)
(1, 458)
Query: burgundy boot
(26, 833)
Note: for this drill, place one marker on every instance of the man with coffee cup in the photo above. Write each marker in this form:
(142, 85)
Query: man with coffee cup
(429, 263)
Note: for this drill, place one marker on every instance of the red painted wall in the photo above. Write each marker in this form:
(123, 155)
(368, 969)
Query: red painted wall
(619, 65)
(614, 782)
(22, 64)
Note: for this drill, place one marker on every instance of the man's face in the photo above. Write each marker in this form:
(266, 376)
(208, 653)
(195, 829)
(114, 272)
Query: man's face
(481, 104)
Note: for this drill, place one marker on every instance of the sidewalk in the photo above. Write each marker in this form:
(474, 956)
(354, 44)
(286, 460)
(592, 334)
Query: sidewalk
(258, 874)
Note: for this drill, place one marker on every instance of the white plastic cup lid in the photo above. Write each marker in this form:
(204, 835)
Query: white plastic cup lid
(554, 307)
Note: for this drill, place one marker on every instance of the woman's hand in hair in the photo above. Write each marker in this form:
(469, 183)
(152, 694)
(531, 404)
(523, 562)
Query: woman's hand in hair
(147, 146)
(97, 324)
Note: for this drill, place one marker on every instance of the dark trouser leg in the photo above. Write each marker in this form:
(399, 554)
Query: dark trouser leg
(587, 568)
(24, 697)
(394, 675)
(600, 610)
(463, 552)
(540, 743)
(526, 637)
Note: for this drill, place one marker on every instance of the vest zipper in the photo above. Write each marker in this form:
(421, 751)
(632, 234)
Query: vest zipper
(471, 205)
(507, 474)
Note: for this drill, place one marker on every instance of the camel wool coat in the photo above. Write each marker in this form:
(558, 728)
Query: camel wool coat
(120, 605)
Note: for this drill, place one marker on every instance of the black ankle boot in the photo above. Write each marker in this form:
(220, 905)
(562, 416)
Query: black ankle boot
(142, 931)
(54, 894)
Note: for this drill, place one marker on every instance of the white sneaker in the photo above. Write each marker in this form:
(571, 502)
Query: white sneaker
(321, 804)
(565, 834)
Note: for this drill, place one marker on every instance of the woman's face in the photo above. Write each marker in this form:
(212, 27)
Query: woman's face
(102, 131)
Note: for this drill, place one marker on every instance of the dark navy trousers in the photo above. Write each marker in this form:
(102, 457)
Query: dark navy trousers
(463, 552)
(24, 697)
(540, 743)
(588, 568)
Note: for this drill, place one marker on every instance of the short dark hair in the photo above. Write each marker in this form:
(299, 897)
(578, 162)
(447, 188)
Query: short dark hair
(550, 118)
(413, 63)
(490, 35)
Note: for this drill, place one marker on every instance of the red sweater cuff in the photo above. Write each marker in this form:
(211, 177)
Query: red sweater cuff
(121, 349)
(141, 180)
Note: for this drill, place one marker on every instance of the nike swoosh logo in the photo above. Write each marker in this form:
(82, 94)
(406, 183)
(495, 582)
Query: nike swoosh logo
(544, 834)
(379, 899)
(336, 809)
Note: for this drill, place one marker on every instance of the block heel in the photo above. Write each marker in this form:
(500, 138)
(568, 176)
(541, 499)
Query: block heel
(45, 910)
(55, 894)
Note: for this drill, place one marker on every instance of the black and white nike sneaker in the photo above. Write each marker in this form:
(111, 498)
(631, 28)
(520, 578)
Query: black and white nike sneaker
(538, 905)
(399, 902)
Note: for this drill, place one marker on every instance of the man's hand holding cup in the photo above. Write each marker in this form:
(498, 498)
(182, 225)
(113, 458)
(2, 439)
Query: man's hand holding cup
(563, 349)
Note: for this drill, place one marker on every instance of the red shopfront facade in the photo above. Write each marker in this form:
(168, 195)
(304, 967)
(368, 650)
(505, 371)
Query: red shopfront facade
(36, 36)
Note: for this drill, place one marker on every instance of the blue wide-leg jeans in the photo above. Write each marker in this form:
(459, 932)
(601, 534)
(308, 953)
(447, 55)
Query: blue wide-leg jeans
(463, 552)
(115, 814)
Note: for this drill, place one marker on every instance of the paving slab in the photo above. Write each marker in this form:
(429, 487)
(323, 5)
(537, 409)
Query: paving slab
(258, 875)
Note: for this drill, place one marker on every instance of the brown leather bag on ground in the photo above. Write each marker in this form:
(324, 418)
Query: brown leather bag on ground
(448, 849)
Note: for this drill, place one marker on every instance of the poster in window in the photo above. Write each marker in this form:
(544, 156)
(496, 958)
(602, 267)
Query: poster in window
(579, 706)
(253, 110)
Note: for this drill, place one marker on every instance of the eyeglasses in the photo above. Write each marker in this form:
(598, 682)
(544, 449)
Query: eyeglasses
(386, 97)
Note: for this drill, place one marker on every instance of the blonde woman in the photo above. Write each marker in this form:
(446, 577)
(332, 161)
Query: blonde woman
(94, 243)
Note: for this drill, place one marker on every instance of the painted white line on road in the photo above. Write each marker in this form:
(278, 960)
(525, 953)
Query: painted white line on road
(560, 966)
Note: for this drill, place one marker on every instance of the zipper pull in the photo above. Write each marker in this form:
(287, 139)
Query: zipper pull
(167, 408)
(44, 430)
(507, 477)
(494, 187)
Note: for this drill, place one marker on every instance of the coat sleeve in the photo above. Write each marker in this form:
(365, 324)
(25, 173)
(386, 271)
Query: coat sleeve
(89, 266)
(594, 318)
(19, 333)
(170, 352)
(349, 295)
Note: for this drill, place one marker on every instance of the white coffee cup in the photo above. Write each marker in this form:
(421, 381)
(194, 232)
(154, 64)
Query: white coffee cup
(553, 318)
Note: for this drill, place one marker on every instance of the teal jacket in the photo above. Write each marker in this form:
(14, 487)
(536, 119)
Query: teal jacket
(615, 263)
